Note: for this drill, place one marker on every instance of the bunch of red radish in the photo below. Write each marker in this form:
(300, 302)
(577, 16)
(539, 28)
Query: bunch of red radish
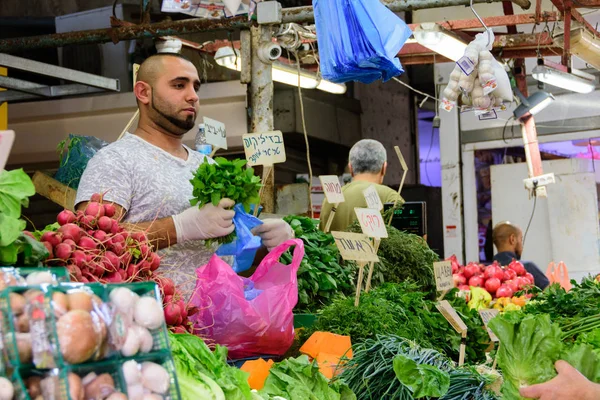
(498, 281)
(94, 247)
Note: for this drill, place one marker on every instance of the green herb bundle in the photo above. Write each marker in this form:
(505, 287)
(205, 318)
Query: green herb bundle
(320, 276)
(405, 256)
(15, 189)
(225, 179)
(392, 367)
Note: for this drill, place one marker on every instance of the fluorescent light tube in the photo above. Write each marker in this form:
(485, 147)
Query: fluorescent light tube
(440, 40)
(226, 57)
(564, 80)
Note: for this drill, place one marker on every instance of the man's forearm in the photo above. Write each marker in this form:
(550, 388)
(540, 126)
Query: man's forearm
(160, 232)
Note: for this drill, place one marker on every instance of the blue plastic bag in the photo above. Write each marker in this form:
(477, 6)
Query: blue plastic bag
(245, 245)
(75, 153)
(358, 40)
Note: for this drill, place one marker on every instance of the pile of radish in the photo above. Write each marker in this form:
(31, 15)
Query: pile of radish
(498, 281)
(96, 248)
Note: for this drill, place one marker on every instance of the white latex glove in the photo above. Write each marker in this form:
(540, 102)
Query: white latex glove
(208, 222)
(273, 232)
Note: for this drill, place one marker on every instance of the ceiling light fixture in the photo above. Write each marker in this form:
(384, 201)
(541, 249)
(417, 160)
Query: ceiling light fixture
(532, 105)
(227, 57)
(440, 40)
(559, 76)
(583, 45)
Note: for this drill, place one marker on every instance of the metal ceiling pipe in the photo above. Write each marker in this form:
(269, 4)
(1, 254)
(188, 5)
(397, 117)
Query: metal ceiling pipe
(195, 25)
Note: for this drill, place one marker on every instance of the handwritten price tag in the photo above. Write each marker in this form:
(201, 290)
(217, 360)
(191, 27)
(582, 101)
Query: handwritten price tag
(451, 316)
(332, 188)
(215, 133)
(355, 247)
(7, 139)
(264, 148)
(443, 275)
(372, 198)
(371, 222)
(486, 316)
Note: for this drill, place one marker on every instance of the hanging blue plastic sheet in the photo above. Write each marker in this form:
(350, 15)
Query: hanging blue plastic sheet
(245, 245)
(358, 40)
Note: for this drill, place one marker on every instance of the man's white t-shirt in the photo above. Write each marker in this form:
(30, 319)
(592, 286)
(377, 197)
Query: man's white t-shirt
(149, 184)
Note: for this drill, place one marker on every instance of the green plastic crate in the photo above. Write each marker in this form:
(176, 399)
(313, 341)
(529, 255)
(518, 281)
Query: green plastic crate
(165, 360)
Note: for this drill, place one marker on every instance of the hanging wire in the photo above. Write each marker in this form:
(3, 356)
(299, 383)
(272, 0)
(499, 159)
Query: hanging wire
(487, 30)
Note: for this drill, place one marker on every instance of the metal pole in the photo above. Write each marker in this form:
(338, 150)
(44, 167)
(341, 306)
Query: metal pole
(261, 103)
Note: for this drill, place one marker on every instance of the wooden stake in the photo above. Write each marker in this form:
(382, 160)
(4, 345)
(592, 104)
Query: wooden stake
(444, 293)
(135, 115)
(331, 215)
(361, 267)
(463, 348)
(266, 174)
(372, 265)
(215, 149)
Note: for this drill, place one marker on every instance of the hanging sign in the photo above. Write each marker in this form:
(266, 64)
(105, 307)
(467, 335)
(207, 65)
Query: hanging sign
(264, 148)
(215, 133)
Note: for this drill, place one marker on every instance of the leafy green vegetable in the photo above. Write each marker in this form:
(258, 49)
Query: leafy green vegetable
(320, 276)
(422, 379)
(402, 310)
(584, 359)
(193, 358)
(49, 228)
(404, 256)
(529, 346)
(373, 372)
(300, 379)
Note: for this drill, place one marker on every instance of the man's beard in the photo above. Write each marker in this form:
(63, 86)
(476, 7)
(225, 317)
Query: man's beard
(186, 124)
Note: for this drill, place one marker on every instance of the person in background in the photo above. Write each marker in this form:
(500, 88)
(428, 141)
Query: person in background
(147, 173)
(508, 239)
(568, 384)
(368, 165)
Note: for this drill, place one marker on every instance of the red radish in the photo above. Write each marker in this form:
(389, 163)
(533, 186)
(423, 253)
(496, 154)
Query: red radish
(133, 270)
(84, 280)
(145, 266)
(89, 221)
(517, 267)
(50, 249)
(101, 236)
(66, 217)
(79, 258)
(139, 236)
(471, 270)
(51, 237)
(183, 309)
(530, 277)
(493, 271)
(118, 238)
(74, 271)
(504, 291)
(155, 262)
(513, 285)
(168, 299)
(105, 224)
(168, 286)
(509, 274)
(97, 197)
(123, 274)
(459, 280)
(117, 248)
(179, 329)
(115, 229)
(125, 258)
(112, 259)
(114, 277)
(96, 269)
(464, 287)
(70, 231)
(172, 314)
(94, 209)
(144, 250)
(476, 281)
(109, 210)
(87, 243)
(71, 243)
(492, 284)
(63, 251)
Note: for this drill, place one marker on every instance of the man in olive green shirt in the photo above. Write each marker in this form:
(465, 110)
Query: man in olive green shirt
(367, 164)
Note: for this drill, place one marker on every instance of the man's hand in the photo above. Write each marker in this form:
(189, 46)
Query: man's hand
(569, 384)
(273, 232)
(208, 222)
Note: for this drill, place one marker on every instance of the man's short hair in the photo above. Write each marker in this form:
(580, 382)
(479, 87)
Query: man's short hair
(502, 232)
(367, 156)
(152, 66)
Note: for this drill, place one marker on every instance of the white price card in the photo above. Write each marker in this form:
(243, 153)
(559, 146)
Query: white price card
(332, 188)
(264, 148)
(443, 275)
(451, 316)
(371, 222)
(215, 133)
(486, 316)
(372, 198)
(7, 138)
(355, 247)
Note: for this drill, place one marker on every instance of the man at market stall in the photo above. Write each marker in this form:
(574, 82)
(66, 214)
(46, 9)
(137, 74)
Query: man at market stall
(368, 165)
(508, 239)
(147, 174)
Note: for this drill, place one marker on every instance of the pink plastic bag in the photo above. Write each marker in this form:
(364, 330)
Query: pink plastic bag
(261, 326)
